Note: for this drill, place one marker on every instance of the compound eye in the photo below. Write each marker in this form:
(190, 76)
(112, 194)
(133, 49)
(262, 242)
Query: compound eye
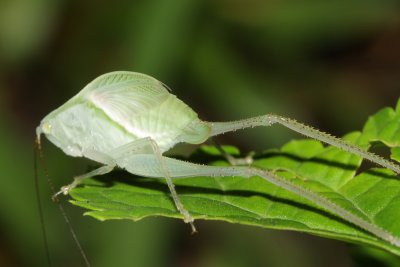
(46, 127)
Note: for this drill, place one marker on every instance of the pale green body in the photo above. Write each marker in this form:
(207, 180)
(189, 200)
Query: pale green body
(129, 119)
(113, 111)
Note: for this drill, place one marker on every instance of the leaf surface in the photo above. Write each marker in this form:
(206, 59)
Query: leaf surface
(372, 194)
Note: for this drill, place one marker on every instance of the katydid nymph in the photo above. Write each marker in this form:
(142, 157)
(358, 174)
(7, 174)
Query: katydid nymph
(128, 120)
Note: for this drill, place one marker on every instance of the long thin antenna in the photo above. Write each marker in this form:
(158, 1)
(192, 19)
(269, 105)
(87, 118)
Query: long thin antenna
(39, 204)
(60, 206)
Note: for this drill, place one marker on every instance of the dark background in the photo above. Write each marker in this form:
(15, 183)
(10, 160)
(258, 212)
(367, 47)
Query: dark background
(328, 63)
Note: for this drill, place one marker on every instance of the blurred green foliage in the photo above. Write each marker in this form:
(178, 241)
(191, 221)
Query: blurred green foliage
(329, 64)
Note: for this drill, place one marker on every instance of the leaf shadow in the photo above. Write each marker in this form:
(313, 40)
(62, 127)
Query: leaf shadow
(156, 184)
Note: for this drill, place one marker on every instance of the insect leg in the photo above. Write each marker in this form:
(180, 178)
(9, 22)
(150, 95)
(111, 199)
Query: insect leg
(78, 179)
(267, 120)
(109, 165)
(186, 215)
(143, 165)
(141, 146)
(247, 160)
(107, 159)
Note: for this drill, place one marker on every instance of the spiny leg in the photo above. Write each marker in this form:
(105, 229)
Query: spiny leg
(142, 165)
(107, 159)
(186, 215)
(141, 146)
(244, 161)
(247, 160)
(78, 179)
(97, 156)
(267, 120)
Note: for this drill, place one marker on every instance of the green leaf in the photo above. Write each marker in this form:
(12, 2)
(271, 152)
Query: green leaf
(395, 153)
(372, 195)
(384, 126)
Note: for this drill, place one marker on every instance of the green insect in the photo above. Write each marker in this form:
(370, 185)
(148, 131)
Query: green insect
(128, 120)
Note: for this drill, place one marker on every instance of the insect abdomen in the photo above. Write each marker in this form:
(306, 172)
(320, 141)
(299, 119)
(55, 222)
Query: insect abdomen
(164, 122)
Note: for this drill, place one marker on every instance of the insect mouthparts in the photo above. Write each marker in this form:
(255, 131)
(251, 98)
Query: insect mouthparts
(46, 128)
